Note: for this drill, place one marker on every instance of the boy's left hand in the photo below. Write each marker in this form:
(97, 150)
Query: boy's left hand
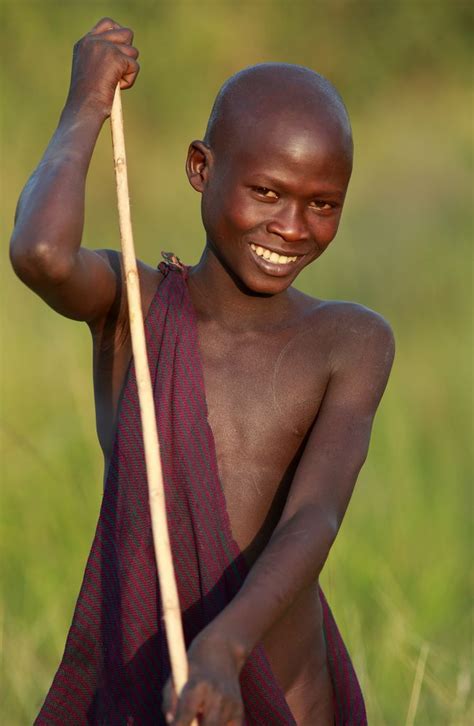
(212, 691)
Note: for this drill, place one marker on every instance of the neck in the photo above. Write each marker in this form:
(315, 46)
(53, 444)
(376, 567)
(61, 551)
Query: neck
(218, 296)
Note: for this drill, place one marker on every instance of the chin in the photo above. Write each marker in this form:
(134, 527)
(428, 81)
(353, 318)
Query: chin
(265, 284)
(255, 279)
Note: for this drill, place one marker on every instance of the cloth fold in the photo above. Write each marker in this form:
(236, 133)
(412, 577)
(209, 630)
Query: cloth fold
(115, 662)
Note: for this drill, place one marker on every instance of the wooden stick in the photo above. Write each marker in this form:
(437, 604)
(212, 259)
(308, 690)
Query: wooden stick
(164, 561)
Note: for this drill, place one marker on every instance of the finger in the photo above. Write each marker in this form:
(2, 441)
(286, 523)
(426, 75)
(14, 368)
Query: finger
(117, 35)
(216, 713)
(223, 710)
(236, 720)
(130, 74)
(104, 24)
(170, 701)
(130, 50)
(190, 704)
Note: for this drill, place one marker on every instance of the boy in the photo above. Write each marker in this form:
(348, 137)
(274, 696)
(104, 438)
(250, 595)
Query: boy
(265, 401)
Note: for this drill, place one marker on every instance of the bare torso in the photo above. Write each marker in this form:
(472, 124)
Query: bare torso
(292, 383)
(263, 389)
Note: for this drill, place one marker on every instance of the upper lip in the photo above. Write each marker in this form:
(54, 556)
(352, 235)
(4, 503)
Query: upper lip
(283, 253)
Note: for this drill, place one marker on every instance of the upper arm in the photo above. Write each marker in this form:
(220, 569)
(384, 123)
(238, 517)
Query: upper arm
(338, 442)
(87, 290)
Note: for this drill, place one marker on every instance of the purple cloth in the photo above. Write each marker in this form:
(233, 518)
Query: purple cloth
(115, 662)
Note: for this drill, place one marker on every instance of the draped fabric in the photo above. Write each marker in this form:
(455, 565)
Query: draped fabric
(115, 662)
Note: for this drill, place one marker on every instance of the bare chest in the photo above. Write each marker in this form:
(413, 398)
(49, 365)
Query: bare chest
(263, 393)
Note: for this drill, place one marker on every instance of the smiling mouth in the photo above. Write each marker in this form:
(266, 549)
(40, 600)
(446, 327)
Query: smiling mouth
(272, 256)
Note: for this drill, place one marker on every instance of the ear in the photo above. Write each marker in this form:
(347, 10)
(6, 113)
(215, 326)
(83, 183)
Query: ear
(198, 165)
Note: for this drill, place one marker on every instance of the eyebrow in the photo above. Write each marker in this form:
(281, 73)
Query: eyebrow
(267, 180)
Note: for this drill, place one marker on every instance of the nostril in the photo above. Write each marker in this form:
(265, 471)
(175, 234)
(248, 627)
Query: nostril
(289, 230)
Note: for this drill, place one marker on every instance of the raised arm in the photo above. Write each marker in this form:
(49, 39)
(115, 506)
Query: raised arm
(316, 504)
(45, 248)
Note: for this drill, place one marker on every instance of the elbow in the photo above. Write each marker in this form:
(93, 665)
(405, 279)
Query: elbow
(329, 525)
(41, 262)
(320, 521)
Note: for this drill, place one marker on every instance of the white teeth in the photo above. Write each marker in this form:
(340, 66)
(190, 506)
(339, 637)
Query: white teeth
(272, 256)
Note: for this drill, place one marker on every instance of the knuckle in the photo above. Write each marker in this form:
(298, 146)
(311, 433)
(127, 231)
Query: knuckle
(125, 35)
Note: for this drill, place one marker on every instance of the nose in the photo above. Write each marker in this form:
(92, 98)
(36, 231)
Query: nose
(289, 223)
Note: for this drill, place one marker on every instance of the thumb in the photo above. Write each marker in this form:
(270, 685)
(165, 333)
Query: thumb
(170, 701)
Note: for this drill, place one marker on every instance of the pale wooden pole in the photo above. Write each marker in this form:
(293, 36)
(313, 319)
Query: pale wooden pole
(156, 494)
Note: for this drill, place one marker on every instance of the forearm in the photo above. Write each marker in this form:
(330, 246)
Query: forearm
(50, 213)
(292, 560)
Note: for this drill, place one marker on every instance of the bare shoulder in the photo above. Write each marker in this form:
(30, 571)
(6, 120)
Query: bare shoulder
(357, 326)
(351, 334)
(149, 279)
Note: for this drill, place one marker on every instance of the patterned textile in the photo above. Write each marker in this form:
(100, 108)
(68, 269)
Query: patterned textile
(115, 662)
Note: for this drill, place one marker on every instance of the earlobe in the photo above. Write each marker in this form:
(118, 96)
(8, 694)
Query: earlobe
(197, 165)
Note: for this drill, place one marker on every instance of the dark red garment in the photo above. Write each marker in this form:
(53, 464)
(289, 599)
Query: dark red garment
(115, 662)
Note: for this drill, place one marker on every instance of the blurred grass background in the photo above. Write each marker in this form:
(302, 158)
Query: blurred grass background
(400, 575)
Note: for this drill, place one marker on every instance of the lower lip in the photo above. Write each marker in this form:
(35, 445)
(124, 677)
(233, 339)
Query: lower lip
(273, 268)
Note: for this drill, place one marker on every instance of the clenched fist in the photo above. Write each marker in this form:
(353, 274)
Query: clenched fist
(101, 59)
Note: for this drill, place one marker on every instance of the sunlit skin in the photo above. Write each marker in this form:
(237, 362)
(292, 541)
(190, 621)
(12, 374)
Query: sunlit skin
(282, 188)
(292, 382)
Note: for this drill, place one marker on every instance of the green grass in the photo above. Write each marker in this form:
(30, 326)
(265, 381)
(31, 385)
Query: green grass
(398, 577)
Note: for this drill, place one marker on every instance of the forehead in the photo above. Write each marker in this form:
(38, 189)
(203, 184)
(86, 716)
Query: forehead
(290, 142)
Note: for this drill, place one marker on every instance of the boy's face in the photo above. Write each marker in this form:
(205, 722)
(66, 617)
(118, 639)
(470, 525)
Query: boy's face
(273, 199)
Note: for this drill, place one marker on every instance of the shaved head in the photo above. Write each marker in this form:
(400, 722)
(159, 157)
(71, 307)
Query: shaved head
(269, 95)
(273, 170)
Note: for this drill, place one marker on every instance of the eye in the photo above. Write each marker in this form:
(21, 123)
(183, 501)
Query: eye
(265, 192)
(321, 206)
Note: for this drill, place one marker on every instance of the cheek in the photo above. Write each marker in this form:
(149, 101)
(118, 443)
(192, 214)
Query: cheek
(233, 212)
(214, 212)
(325, 231)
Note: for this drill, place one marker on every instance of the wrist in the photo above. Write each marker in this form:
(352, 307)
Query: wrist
(76, 134)
(218, 636)
(87, 108)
